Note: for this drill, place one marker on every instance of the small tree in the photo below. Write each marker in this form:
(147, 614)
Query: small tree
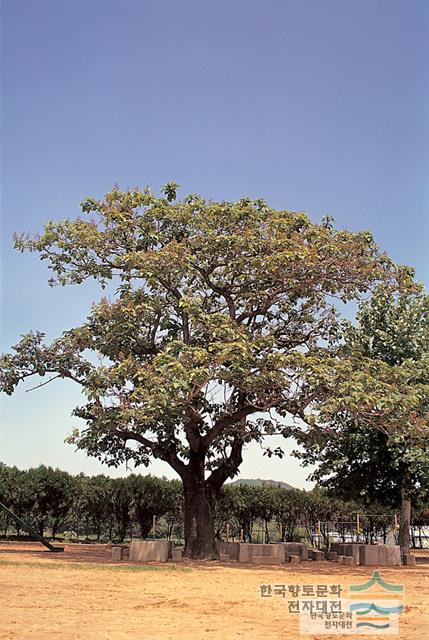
(221, 309)
(247, 509)
(316, 508)
(52, 494)
(20, 499)
(8, 477)
(121, 498)
(226, 511)
(151, 497)
(395, 330)
(97, 506)
(288, 511)
(387, 387)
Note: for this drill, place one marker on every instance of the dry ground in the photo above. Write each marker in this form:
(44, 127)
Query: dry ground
(82, 595)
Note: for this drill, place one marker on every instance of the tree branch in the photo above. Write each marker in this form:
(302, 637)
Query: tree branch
(228, 466)
(225, 422)
(42, 384)
(221, 290)
(168, 455)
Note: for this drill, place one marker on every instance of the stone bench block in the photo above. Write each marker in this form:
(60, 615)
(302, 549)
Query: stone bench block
(247, 550)
(383, 555)
(316, 554)
(351, 549)
(117, 553)
(347, 549)
(348, 561)
(224, 557)
(296, 549)
(331, 555)
(177, 554)
(231, 548)
(150, 550)
(340, 559)
(294, 559)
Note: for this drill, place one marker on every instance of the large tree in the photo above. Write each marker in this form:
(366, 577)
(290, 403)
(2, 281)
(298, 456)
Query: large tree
(220, 310)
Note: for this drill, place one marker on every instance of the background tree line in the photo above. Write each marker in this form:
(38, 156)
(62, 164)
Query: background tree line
(97, 508)
(100, 508)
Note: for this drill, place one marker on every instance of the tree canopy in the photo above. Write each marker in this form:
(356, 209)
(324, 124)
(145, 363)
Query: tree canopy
(222, 312)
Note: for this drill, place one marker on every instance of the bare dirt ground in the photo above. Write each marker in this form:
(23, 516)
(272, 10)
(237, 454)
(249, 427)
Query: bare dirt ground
(82, 595)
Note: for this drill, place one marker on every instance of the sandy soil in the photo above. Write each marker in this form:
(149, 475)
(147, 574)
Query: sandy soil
(82, 595)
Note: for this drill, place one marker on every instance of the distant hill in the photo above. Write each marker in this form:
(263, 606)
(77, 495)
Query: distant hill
(259, 482)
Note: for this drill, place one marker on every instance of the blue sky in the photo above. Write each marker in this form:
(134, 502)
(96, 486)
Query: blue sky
(313, 105)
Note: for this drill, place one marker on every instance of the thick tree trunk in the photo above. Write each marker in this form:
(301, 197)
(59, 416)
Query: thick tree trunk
(200, 502)
(200, 541)
(405, 517)
(201, 494)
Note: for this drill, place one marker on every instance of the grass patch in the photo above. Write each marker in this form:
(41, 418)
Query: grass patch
(87, 566)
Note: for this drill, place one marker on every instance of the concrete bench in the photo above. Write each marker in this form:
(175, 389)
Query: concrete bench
(230, 548)
(150, 550)
(177, 554)
(296, 549)
(347, 549)
(117, 553)
(248, 550)
(294, 559)
(383, 555)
